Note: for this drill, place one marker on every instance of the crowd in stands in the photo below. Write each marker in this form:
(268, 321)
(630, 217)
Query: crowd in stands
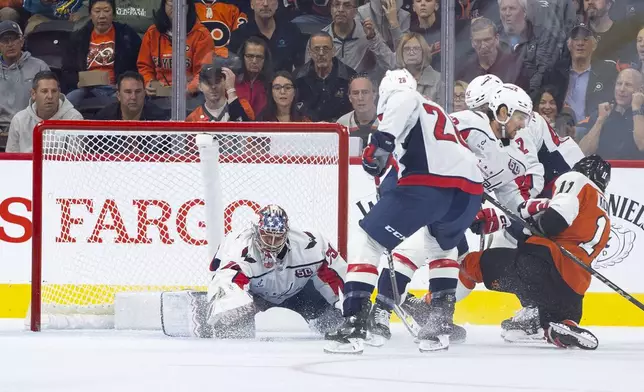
(320, 60)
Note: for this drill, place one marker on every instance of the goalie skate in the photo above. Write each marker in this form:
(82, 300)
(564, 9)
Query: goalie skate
(568, 334)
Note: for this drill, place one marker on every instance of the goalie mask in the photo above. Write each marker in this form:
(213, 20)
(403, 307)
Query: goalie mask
(271, 229)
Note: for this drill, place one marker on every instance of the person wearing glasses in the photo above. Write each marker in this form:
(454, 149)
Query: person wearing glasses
(255, 74)
(415, 56)
(283, 104)
(458, 104)
(323, 82)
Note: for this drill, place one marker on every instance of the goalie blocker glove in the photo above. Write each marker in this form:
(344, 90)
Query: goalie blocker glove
(377, 156)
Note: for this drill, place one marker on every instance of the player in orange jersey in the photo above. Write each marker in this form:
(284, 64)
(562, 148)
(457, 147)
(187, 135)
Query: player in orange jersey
(576, 219)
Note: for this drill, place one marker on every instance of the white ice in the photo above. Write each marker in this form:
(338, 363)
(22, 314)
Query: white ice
(119, 361)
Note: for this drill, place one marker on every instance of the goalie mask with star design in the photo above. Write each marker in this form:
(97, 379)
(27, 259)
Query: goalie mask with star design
(272, 229)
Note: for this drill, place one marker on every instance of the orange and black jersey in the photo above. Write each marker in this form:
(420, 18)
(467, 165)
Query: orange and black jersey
(221, 19)
(578, 220)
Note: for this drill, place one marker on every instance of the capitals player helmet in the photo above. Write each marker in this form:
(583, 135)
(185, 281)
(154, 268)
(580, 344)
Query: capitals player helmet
(394, 81)
(480, 90)
(513, 98)
(272, 229)
(596, 169)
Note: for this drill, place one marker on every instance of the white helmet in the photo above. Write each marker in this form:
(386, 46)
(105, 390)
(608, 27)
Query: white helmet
(514, 98)
(480, 89)
(396, 80)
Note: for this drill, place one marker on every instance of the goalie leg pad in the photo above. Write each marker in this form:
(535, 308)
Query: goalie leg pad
(183, 314)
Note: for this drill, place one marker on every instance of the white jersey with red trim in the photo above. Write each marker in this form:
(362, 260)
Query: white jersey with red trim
(429, 150)
(511, 171)
(307, 256)
(557, 154)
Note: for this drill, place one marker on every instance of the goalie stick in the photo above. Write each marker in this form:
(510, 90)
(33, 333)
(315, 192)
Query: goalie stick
(565, 252)
(407, 320)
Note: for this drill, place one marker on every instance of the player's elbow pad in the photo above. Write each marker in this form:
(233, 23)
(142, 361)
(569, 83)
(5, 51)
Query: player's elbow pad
(552, 223)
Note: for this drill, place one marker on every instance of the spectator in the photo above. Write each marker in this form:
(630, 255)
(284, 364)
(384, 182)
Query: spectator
(310, 16)
(414, 54)
(614, 40)
(554, 17)
(358, 45)
(47, 10)
(426, 22)
(284, 105)
(639, 46)
(9, 10)
(460, 87)
(584, 81)
(221, 19)
(131, 104)
(284, 38)
(101, 45)
(255, 75)
(47, 103)
(617, 130)
(222, 104)
(490, 57)
(559, 119)
(323, 82)
(18, 69)
(363, 119)
(533, 51)
(155, 58)
(388, 18)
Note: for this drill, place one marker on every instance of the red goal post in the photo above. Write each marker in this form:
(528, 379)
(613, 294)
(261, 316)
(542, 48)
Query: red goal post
(122, 205)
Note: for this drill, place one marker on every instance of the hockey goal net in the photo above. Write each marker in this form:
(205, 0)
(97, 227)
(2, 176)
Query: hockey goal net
(141, 206)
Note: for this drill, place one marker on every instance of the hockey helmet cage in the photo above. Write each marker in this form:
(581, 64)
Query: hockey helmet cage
(272, 229)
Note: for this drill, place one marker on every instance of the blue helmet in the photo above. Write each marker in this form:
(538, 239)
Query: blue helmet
(272, 229)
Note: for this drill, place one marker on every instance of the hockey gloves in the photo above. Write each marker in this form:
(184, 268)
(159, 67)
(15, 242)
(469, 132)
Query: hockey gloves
(532, 208)
(489, 220)
(376, 157)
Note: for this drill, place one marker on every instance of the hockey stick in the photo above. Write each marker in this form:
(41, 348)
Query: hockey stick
(566, 253)
(412, 327)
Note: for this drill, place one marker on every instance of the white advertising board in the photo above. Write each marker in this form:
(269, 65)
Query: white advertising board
(622, 261)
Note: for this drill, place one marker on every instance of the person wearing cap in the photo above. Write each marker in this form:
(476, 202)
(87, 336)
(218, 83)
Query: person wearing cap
(583, 81)
(222, 104)
(17, 70)
(101, 45)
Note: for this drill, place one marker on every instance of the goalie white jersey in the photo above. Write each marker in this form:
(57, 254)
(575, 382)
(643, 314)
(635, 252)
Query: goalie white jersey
(512, 172)
(557, 154)
(306, 256)
(429, 151)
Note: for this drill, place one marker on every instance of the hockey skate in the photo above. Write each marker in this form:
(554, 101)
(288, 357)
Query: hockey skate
(419, 310)
(568, 334)
(523, 327)
(378, 326)
(434, 336)
(350, 336)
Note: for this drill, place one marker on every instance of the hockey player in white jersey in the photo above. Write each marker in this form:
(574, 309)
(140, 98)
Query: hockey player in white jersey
(505, 168)
(439, 191)
(273, 265)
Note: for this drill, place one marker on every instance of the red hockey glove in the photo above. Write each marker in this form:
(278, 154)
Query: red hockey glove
(533, 207)
(489, 220)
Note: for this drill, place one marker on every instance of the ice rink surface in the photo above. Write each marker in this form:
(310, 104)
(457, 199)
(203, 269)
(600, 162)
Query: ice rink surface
(280, 361)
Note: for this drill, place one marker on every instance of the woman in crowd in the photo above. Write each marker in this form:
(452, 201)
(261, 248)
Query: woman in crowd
(101, 45)
(560, 119)
(155, 58)
(459, 96)
(282, 104)
(414, 54)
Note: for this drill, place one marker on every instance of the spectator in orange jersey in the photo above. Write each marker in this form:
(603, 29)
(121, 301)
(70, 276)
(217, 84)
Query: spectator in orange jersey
(155, 57)
(283, 104)
(222, 104)
(220, 18)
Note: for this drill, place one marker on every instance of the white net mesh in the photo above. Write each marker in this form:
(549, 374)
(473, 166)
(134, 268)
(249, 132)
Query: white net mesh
(123, 210)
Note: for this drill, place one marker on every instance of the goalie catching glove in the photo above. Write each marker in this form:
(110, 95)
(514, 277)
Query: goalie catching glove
(489, 220)
(377, 156)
